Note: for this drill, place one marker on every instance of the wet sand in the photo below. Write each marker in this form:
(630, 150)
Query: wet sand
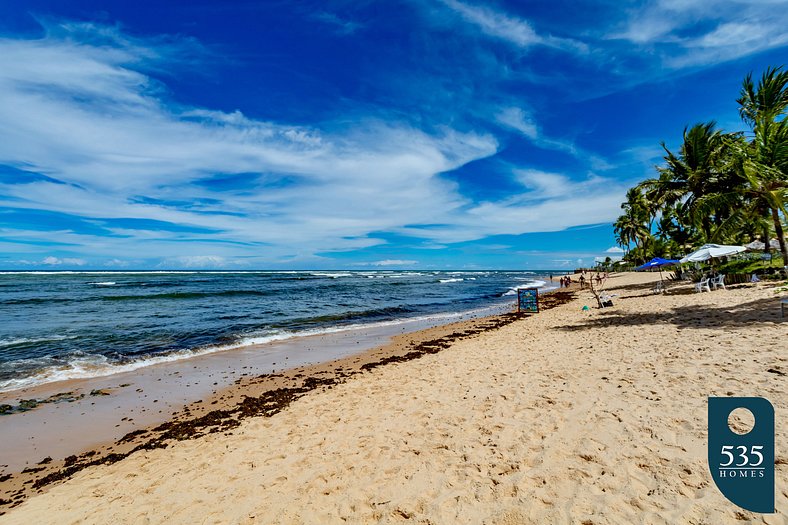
(74, 416)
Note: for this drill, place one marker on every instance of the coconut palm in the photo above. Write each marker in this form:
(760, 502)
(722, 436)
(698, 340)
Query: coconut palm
(765, 163)
(699, 169)
(634, 226)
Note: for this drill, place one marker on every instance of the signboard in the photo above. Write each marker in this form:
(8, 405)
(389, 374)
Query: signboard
(528, 300)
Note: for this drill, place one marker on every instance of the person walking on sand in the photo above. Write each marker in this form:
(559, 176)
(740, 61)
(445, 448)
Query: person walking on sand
(582, 280)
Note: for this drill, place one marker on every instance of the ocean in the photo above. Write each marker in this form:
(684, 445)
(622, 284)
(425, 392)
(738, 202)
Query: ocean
(61, 325)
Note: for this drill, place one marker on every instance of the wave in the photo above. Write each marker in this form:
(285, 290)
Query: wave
(105, 283)
(347, 316)
(529, 284)
(184, 295)
(32, 340)
(81, 366)
(456, 280)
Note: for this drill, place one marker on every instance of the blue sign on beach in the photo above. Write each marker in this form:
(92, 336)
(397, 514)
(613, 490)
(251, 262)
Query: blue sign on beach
(528, 300)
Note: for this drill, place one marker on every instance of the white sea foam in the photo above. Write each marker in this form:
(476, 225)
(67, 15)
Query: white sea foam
(529, 284)
(27, 340)
(455, 280)
(89, 366)
(104, 283)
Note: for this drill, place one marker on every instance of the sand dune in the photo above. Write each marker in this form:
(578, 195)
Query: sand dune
(564, 417)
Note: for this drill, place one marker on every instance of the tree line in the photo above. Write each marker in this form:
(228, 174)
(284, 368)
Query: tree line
(719, 187)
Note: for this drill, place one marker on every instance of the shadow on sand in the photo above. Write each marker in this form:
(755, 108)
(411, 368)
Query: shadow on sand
(762, 312)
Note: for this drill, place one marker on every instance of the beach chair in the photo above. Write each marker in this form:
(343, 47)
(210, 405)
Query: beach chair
(659, 287)
(703, 285)
(718, 281)
(606, 300)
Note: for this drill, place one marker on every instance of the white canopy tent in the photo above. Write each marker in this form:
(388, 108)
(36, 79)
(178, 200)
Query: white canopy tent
(774, 244)
(708, 251)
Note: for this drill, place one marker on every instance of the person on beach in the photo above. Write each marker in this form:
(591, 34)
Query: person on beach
(582, 280)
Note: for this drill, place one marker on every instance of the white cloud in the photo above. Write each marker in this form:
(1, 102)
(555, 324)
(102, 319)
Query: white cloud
(341, 25)
(510, 28)
(66, 261)
(731, 29)
(199, 261)
(117, 263)
(124, 151)
(516, 118)
(388, 262)
(543, 184)
(615, 249)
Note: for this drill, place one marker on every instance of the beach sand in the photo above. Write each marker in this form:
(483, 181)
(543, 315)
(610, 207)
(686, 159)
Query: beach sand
(562, 417)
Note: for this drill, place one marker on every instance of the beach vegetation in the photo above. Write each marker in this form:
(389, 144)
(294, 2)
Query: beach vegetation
(719, 186)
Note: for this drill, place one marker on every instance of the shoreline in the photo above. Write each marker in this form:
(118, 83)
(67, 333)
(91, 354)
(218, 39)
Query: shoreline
(564, 416)
(130, 402)
(41, 380)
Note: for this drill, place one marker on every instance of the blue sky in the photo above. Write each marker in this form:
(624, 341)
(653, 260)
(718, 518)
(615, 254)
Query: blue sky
(339, 134)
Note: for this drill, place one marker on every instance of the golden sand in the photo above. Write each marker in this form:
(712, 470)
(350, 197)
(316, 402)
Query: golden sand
(565, 417)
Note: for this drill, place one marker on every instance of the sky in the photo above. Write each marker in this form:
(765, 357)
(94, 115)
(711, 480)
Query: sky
(398, 134)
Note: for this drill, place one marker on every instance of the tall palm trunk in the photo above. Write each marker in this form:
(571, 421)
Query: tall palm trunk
(778, 228)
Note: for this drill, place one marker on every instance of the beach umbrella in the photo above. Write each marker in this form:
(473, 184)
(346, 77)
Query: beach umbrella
(709, 251)
(657, 262)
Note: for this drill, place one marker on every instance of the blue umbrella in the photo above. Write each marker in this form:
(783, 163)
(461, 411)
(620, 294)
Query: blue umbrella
(658, 262)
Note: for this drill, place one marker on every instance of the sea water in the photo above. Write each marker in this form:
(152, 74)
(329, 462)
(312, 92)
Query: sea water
(60, 325)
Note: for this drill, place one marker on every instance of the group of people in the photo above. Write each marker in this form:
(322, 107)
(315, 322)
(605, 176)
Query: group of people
(566, 280)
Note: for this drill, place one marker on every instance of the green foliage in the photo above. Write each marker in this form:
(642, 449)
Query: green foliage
(719, 187)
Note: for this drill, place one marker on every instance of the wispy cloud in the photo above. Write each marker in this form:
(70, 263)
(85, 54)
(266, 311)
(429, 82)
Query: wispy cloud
(699, 33)
(519, 120)
(53, 261)
(96, 137)
(388, 262)
(509, 28)
(341, 25)
(201, 262)
(118, 149)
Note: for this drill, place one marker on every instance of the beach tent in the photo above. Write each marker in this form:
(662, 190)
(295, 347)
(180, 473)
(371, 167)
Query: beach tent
(774, 244)
(658, 262)
(708, 251)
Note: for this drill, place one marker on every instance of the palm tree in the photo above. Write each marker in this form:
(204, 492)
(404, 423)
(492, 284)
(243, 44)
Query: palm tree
(765, 164)
(699, 168)
(634, 226)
